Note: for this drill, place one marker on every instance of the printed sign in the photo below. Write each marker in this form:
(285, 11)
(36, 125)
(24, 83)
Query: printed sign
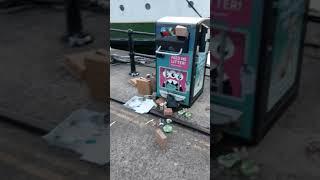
(232, 12)
(181, 62)
(173, 80)
(228, 63)
(200, 70)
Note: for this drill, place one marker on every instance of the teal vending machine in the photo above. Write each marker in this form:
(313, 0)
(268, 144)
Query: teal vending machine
(182, 45)
(256, 56)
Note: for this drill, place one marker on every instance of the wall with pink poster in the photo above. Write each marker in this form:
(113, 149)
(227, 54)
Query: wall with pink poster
(228, 58)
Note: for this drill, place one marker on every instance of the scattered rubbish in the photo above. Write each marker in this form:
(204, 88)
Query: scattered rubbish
(181, 31)
(144, 86)
(243, 153)
(249, 168)
(112, 123)
(161, 139)
(74, 63)
(181, 112)
(229, 160)
(312, 150)
(188, 114)
(133, 81)
(149, 96)
(152, 78)
(160, 101)
(167, 112)
(171, 102)
(162, 122)
(169, 121)
(97, 76)
(167, 128)
(185, 113)
(84, 132)
(313, 147)
(162, 106)
(149, 121)
(239, 163)
(140, 105)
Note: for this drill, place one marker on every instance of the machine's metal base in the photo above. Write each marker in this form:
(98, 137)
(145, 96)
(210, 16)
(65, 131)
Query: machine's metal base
(225, 116)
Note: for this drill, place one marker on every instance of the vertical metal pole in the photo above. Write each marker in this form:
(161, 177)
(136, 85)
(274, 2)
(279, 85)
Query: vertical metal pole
(131, 54)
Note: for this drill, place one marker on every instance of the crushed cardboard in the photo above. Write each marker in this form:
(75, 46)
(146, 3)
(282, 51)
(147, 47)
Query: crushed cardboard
(161, 138)
(74, 63)
(167, 112)
(144, 86)
(92, 66)
(97, 76)
(160, 100)
(133, 81)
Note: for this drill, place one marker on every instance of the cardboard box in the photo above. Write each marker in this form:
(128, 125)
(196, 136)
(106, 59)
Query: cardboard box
(74, 63)
(181, 31)
(133, 81)
(161, 139)
(144, 86)
(97, 76)
(168, 112)
(153, 80)
(160, 101)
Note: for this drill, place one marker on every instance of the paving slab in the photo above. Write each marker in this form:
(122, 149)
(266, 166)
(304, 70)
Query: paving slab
(36, 87)
(24, 155)
(136, 155)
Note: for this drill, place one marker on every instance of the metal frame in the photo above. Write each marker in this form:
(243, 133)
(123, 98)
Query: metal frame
(132, 54)
(264, 119)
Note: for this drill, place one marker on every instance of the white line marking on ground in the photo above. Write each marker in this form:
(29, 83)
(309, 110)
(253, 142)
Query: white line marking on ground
(149, 121)
(112, 123)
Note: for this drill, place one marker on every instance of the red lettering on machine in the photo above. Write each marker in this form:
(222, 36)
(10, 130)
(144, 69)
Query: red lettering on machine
(232, 12)
(181, 62)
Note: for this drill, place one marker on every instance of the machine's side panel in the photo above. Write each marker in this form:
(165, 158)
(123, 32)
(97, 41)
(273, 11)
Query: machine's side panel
(200, 60)
(285, 49)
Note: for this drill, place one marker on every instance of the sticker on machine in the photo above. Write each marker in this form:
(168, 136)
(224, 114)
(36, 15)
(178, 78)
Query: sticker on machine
(173, 80)
(180, 62)
(231, 75)
(232, 12)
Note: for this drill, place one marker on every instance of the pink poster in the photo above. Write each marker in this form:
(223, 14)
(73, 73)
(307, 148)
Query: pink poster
(232, 12)
(233, 61)
(173, 79)
(181, 62)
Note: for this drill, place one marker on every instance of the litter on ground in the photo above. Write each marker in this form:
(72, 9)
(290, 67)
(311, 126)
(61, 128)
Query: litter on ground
(140, 105)
(84, 132)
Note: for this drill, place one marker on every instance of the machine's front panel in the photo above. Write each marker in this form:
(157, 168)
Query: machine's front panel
(174, 66)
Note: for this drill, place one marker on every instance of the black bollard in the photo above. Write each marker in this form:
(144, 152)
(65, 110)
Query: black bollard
(131, 54)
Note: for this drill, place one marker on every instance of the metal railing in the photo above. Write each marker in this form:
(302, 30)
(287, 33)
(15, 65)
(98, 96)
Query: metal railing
(132, 54)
